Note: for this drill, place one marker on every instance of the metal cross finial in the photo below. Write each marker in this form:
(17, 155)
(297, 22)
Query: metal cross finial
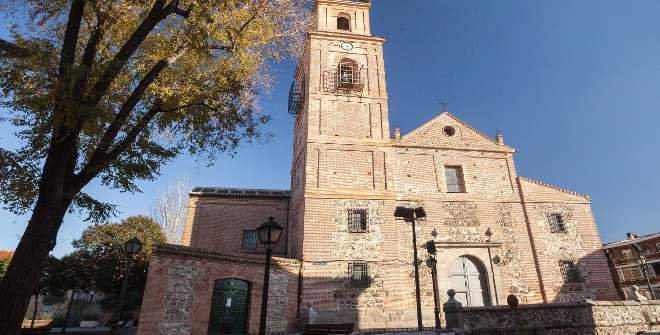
(444, 105)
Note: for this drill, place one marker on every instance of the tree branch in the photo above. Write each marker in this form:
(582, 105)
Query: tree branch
(101, 154)
(67, 59)
(105, 159)
(183, 12)
(68, 54)
(87, 60)
(213, 46)
(134, 132)
(130, 103)
(11, 50)
(197, 104)
(237, 33)
(157, 13)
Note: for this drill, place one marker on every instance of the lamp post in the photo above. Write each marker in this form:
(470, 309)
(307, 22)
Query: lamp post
(642, 264)
(411, 214)
(132, 248)
(432, 263)
(269, 234)
(489, 234)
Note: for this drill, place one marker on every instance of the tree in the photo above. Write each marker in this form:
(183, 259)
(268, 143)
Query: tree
(169, 210)
(111, 90)
(100, 250)
(53, 283)
(5, 258)
(78, 276)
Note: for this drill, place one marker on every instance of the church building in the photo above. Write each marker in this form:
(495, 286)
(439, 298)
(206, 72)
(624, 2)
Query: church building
(343, 256)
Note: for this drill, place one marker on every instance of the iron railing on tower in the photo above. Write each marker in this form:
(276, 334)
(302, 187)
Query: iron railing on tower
(349, 76)
(296, 97)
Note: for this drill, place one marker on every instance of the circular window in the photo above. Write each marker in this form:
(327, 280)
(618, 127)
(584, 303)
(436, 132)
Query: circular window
(449, 131)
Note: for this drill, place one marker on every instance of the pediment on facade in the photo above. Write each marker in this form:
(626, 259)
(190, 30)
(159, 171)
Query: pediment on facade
(447, 131)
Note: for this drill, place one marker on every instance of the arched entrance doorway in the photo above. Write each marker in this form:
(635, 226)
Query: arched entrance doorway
(468, 279)
(229, 307)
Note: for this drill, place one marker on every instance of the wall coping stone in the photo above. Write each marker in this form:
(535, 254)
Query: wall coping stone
(196, 253)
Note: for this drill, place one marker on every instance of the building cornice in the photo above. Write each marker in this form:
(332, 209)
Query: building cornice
(223, 192)
(358, 4)
(203, 254)
(344, 36)
(631, 241)
(456, 244)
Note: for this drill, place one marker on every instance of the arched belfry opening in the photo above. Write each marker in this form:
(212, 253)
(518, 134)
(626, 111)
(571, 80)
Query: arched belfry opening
(229, 307)
(349, 75)
(343, 23)
(468, 277)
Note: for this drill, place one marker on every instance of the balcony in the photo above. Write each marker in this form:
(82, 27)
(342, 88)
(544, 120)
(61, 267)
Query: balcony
(296, 97)
(634, 259)
(349, 77)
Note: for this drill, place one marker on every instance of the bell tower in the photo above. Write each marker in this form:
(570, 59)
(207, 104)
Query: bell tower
(339, 101)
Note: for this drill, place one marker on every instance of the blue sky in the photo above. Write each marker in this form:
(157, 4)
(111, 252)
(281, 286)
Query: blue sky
(573, 85)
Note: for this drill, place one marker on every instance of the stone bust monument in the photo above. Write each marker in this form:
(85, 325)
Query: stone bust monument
(637, 296)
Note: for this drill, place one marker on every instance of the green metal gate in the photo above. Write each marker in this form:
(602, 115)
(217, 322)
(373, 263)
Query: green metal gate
(229, 307)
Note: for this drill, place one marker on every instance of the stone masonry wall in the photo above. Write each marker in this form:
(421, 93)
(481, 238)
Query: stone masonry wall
(587, 318)
(580, 243)
(178, 294)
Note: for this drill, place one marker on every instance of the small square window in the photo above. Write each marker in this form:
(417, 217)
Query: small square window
(627, 253)
(570, 272)
(357, 220)
(455, 182)
(359, 274)
(249, 239)
(556, 223)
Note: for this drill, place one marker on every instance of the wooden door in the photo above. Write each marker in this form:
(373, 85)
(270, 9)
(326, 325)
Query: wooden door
(468, 279)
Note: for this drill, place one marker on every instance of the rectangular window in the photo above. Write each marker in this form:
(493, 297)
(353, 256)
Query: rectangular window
(249, 239)
(657, 246)
(357, 220)
(454, 176)
(359, 274)
(556, 223)
(570, 272)
(655, 269)
(630, 273)
(627, 253)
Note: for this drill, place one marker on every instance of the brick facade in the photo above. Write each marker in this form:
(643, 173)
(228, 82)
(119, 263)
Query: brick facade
(624, 264)
(345, 159)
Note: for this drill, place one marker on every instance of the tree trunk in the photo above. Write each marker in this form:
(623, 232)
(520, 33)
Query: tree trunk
(27, 264)
(68, 312)
(34, 313)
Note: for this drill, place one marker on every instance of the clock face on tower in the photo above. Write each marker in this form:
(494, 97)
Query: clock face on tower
(347, 46)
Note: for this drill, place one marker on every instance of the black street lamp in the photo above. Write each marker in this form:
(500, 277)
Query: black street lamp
(411, 214)
(269, 234)
(642, 263)
(132, 248)
(432, 263)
